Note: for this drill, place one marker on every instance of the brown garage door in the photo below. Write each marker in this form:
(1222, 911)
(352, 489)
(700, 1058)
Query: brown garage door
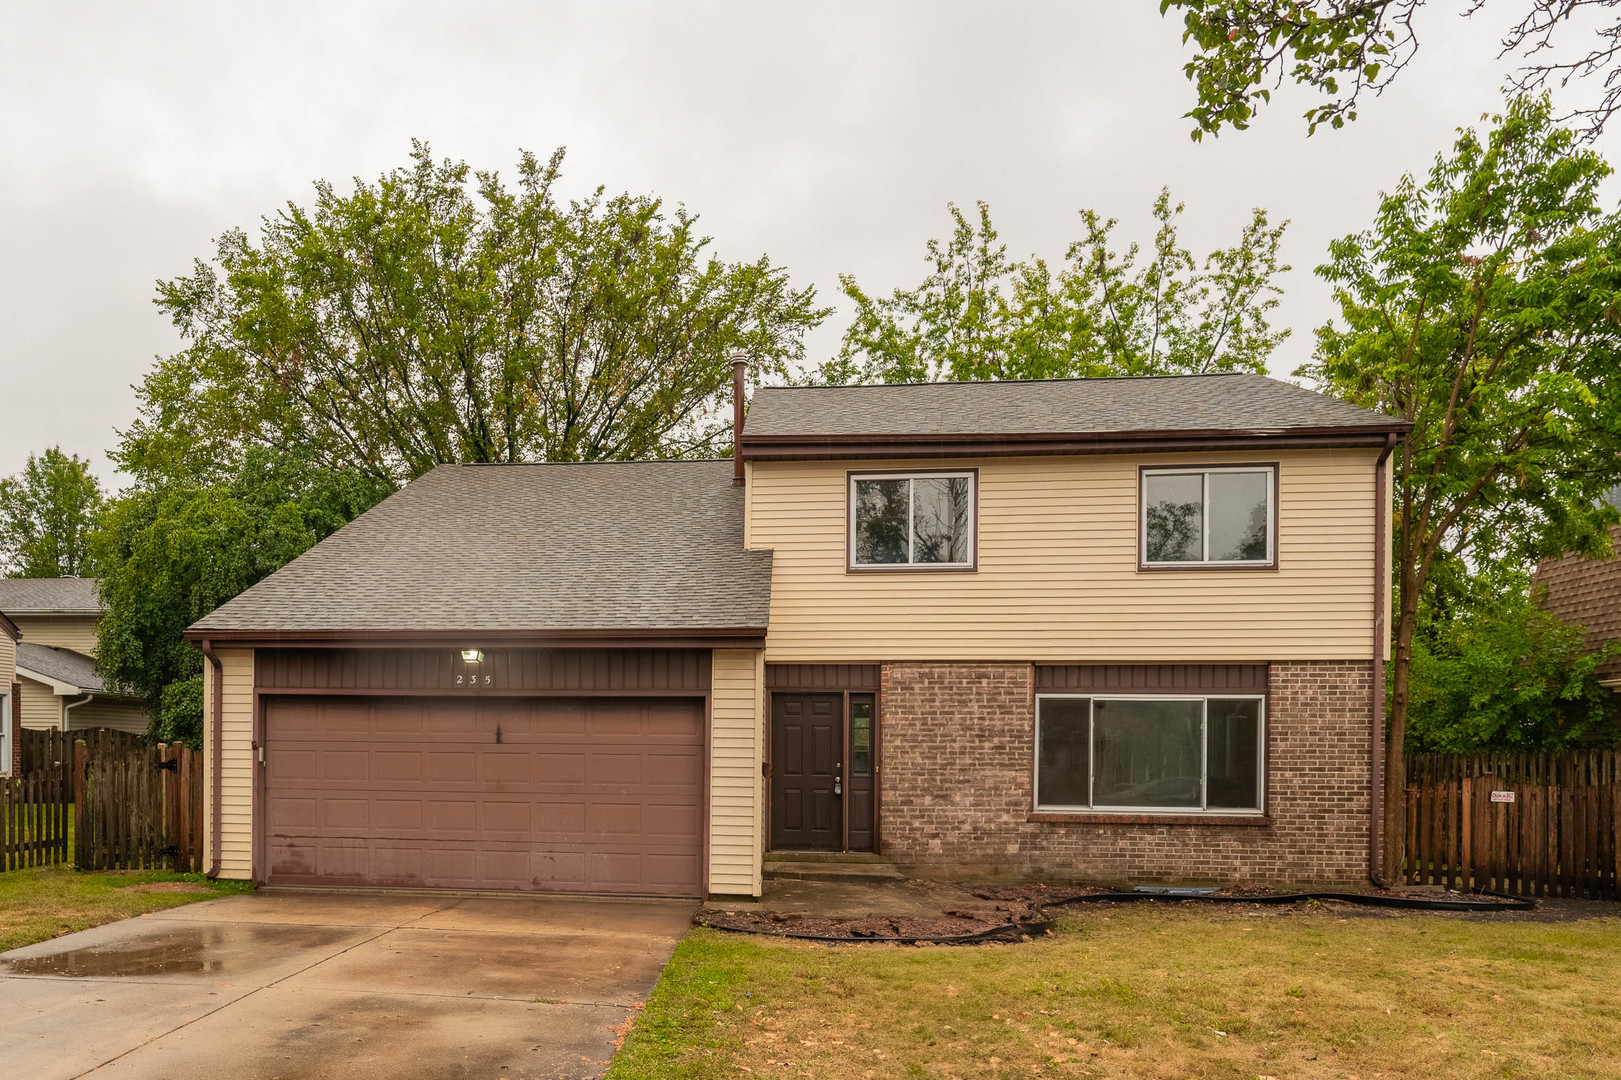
(573, 795)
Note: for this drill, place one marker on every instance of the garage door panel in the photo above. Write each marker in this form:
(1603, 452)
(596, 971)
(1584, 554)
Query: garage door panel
(344, 766)
(599, 796)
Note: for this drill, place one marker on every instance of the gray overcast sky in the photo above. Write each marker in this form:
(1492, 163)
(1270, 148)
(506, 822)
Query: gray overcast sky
(830, 136)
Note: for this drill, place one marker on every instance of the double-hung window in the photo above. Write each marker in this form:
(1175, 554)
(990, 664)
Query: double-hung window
(1150, 754)
(1220, 517)
(922, 521)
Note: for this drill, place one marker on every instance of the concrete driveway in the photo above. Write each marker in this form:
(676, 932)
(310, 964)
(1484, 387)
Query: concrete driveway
(307, 985)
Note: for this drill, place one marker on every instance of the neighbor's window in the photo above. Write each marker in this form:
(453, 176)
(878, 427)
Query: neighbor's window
(926, 520)
(1170, 755)
(1194, 517)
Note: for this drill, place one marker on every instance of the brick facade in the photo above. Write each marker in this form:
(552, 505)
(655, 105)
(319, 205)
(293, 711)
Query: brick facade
(958, 744)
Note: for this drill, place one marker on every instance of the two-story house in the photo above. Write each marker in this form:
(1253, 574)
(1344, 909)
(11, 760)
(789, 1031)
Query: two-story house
(1110, 629)
(56, 658)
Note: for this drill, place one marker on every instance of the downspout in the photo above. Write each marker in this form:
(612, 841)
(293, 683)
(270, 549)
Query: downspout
(87, 699)
(740, 367)
(1381, 597)
(219, 757)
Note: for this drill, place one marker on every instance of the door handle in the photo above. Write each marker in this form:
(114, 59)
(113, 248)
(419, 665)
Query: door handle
(838, 785)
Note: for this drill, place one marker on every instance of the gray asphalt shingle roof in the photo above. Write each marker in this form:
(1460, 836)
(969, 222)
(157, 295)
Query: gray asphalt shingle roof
(1239, 402)
(649, 545)
(63, 665)
(49, 596)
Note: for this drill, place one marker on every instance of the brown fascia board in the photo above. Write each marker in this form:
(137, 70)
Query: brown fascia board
(788, 447)
(9, 628)
(746, 637)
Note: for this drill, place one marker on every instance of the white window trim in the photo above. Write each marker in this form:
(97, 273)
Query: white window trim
(1202, 810)
(972, 476)
(1205, 473)
(6, 734)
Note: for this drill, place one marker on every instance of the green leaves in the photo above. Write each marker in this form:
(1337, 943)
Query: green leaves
(169, 554)
(438, 315)
(1480, 305)
(1508, 675)
(47, 513)
(978, 315)
(1341, 48)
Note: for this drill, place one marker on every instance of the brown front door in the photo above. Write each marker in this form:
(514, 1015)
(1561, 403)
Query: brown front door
(599, 795)
(807, 748)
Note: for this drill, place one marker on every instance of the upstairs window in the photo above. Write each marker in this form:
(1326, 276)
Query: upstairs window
(1209, 517)
(921, 521)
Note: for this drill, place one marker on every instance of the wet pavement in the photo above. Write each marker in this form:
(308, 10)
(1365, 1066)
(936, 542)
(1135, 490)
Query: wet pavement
(309, 985)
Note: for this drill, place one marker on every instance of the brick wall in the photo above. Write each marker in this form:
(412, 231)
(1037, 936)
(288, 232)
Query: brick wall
(1588, 591)
(956, 778)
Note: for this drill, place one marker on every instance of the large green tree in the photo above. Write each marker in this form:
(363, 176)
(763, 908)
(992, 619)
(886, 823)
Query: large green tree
(1484, 305)
(1344, 49)
(170, 553)
(47, 513)
(1104, 311)
(438, 315)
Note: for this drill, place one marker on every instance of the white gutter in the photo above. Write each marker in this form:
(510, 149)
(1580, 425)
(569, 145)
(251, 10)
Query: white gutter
(68, 707)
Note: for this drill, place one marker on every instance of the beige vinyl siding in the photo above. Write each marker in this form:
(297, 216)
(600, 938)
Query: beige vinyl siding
(1057, 577)
(236, 795)
(76, 632)
(8, 714)
(734, 772)
(121, 715)
(40, 707)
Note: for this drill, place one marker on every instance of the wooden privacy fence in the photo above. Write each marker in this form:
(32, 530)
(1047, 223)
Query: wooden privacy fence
(1532, 824)
(44, 749)
(139, 807)
(34, 818)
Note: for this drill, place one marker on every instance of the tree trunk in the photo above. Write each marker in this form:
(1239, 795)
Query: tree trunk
(1395, 838)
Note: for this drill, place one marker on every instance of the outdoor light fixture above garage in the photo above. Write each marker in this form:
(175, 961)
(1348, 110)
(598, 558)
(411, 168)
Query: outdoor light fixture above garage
(472, 656)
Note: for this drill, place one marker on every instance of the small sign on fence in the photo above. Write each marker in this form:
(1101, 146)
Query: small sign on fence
(1502, 796)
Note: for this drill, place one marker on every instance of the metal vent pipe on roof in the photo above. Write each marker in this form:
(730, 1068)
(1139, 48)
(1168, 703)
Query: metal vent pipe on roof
(740, 368)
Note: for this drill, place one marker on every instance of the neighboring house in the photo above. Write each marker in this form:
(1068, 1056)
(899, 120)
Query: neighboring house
(1114, 629)
(10, 745)
(56, 657)
(1588, 592)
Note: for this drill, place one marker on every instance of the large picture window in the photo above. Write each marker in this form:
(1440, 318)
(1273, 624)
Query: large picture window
(919, 520)
(1208, 517)
(1140, 754)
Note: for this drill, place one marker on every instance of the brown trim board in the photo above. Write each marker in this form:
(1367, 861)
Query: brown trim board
(719, 638)
(790, 447)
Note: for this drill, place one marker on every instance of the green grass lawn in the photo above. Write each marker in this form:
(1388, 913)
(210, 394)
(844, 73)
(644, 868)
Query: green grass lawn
(46, 902)
(1150, 992)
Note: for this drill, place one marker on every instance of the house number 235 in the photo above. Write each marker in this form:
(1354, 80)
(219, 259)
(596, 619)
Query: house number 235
(473, 680)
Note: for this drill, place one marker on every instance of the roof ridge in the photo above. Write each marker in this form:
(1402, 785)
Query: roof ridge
(1022, 382)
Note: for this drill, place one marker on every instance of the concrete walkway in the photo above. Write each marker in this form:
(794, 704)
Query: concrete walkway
(297, 986)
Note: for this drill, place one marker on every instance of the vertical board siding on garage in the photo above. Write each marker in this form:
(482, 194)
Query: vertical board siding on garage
(1058, 578)
(538, 671)
(236, 792)
(734, 770)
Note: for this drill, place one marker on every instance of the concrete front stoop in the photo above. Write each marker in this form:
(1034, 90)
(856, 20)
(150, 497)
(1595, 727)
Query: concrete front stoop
(829, 866)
